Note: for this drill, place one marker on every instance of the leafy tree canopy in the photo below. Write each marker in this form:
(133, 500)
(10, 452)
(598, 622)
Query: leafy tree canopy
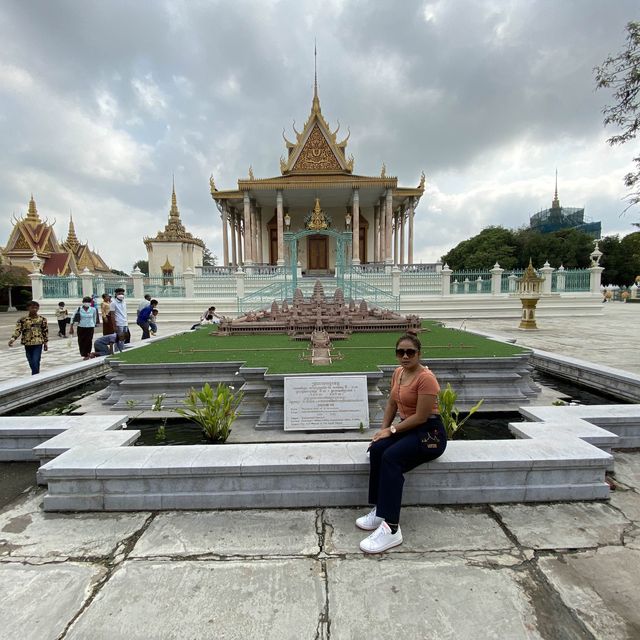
(208, 259)
(621, 74)
(143, 265)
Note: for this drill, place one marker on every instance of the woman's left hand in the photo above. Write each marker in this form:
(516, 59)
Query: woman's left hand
(379, 435)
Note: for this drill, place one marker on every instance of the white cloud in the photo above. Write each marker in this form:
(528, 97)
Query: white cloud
(150, 97)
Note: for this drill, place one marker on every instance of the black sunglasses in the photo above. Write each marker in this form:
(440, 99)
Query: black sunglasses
(409, 352)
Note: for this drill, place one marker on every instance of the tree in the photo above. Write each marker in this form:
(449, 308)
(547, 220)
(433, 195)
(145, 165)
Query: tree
(12, 277)
(493, 244)
(117, 272)
(208, 259)
(621, 74)
(143, 265)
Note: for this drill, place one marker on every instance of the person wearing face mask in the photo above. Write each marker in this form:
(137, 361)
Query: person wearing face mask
(86, 318)
(118, 311)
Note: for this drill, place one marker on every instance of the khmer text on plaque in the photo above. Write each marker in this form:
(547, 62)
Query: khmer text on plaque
(320, 403)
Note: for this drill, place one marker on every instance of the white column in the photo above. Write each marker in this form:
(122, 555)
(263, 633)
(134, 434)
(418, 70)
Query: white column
(188, 277)
(138, 283)
(259, 231)
(225, 239)
(248, 256)
(411, 212)
(376, 233)
(234, 256)
(396, 236)
(254, 233)
(496, 279)
(388, 214)
(547, 273)
(280, 218)
(595, 278)
(446, 280)
(87, 282)
(240, 239)
(355, 258)
(402, 236)
(36, 286)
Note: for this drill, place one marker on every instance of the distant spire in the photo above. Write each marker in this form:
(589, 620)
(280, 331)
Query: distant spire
(315, 107)
(72, 239)
(32, 214)
(555, 204)
(174, 213)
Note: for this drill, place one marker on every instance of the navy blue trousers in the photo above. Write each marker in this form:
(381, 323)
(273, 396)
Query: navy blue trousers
(33, 353)
(390, 458)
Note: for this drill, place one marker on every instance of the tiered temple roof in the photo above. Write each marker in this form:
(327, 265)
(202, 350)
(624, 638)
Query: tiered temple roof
(32, 235)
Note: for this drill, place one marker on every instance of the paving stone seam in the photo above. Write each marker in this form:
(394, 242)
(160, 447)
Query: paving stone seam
(111, 564)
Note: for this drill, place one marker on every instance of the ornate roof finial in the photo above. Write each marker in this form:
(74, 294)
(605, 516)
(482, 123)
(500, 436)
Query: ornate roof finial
(72, 239)
(383, 171)
(315, 107)
(251, 176)
(422, 180)
(32, 214)
(174, 212)
(555, 204)
(212, 184)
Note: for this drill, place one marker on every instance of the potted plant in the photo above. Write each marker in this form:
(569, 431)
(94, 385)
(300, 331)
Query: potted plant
(449, 412)
(214, 410)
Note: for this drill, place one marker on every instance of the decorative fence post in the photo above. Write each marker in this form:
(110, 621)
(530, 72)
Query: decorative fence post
(561, 279)
(87, 282)
(36, 286)
(496, 279)
(72, 285)
(634, 290)
(446, 280)
(395, 280)
(547, 273)
(466, 285)
(479, 284)
(595, 276)
(138, 283)
(513, 282)
(456, 286)
(99, 281)
(240, 282)
(188, 277)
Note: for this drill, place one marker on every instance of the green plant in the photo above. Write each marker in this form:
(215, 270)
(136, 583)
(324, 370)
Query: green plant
(61, 411)
(214, 411)
(450, 413)
(361, 427)
(558, 403)
(161, 433)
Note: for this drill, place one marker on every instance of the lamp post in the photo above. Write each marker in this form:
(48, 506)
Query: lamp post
(347, 220)
(36, 262)
(287, 221)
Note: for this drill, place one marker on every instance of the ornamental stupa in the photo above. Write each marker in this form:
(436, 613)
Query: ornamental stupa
(173, 250)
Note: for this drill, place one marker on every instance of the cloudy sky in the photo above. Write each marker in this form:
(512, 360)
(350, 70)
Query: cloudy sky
(101, 101)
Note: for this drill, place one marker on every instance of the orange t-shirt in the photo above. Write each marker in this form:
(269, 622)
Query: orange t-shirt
(406, 396)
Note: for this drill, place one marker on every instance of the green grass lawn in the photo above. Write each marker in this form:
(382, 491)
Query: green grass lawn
(361, 352)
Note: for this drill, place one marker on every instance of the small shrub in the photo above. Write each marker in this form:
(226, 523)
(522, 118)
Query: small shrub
(450, 413)
(214, 411)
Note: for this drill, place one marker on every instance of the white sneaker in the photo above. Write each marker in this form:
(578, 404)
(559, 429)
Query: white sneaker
(381, 539)
(370, 521)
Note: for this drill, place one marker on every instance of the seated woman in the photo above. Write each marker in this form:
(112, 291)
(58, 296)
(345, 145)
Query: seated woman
(419, 437)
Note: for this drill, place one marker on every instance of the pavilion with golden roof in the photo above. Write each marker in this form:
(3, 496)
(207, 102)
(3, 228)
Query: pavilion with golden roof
(33, 236)
(317, 191)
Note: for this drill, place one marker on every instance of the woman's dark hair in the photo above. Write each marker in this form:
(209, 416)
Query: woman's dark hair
(87, 299)
(61, 304)
(412, 339)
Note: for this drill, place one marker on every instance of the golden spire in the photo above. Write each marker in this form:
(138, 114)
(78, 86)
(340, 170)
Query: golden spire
(32, 214)
(72, 239)
(315, 105)
(174, 212)
(555, 203)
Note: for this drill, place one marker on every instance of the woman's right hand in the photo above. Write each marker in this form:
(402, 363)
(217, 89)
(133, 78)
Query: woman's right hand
(381, 434)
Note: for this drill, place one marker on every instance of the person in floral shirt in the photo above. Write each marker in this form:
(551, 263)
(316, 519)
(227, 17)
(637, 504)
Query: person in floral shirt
(35, 336)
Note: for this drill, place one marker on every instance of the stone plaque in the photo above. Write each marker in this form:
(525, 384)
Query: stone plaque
(325, 403)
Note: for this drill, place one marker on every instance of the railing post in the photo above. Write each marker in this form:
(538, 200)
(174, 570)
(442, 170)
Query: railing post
(240, 282)
(188, 276)
(595, 276)
(560, 283)
(513, 278)
(456, 286)
(466, 285)
(547, 273)
(36, 286)
(496, 279)
(87, 282)
(634, 290)
(138, 283)
(395, 280)
(72, 288)
(445, 274)
(99, 285)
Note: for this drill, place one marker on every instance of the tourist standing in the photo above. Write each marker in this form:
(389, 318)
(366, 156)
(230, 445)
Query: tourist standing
(86, 318)
(420, 436)
(118, 311)
(108, 325)
(144, 316)
(62, 316)
(35, 336)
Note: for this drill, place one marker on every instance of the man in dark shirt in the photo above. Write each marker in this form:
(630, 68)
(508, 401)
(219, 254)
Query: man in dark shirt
(35, 336)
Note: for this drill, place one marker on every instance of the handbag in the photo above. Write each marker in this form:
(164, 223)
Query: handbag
(76, 316)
